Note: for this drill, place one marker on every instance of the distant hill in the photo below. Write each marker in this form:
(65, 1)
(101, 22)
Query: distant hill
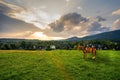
(111, 35)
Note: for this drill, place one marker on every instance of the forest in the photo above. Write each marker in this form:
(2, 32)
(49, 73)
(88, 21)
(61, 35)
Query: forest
(26, 44)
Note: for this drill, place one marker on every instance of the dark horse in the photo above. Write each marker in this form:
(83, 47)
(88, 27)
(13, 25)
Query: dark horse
(86, 50)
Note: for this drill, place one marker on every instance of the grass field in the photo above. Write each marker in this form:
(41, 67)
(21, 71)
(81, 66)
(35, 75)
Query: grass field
(58, 65)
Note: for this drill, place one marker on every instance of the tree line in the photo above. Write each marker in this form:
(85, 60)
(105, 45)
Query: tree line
(63, 45)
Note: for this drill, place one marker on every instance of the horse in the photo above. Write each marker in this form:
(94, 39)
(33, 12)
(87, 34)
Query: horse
(86, 50)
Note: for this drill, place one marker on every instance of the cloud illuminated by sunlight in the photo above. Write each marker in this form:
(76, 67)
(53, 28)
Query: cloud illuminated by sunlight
(117, 12)
(33, 15)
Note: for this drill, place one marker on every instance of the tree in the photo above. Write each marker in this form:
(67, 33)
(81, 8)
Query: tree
(23, 44)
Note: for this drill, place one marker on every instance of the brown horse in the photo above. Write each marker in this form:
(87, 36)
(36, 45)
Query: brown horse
(86, 50)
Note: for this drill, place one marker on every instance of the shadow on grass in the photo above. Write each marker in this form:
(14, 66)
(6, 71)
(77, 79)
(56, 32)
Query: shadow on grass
(100, 60)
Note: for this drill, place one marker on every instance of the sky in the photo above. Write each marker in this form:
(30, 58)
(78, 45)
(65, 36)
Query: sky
(57, 19)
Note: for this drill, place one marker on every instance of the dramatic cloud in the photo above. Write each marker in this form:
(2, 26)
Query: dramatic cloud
(116, 25)
(57, 19)
(69, 20)
(13, 28)
(99, 18)
(33, 16)
(8, 24)
(96, 27)
(73, 24)
(117, 12)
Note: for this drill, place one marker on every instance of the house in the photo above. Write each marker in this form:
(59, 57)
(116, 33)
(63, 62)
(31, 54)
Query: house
(52, 47)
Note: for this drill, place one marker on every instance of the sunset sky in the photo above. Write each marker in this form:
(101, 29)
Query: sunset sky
(57, 19)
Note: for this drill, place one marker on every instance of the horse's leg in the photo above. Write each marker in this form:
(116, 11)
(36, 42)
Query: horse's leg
(85, 55)
(94, 54)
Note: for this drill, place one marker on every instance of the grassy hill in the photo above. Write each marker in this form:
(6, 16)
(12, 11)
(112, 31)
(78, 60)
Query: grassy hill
(58, 65)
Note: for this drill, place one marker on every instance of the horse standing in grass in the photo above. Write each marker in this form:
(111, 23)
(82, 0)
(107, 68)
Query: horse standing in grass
(87, 50)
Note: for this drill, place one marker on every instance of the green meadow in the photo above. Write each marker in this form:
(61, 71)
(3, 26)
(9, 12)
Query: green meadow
(58, 65)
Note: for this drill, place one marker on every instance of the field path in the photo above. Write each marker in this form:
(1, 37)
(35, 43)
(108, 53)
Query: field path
(60, 67)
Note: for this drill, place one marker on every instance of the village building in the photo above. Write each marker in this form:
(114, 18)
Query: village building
(52, 47)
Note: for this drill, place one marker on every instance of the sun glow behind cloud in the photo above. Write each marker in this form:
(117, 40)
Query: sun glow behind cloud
(41, 36)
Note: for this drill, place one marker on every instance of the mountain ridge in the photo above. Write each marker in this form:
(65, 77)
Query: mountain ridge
(111, 35)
